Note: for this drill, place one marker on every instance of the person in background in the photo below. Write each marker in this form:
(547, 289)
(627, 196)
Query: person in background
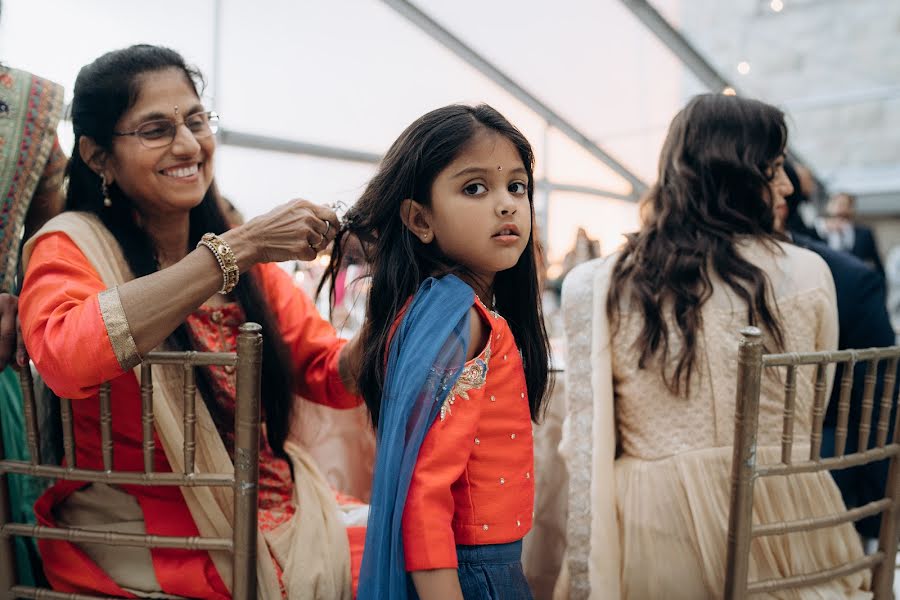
(892, 274)
(802, 181)
(841, 232)
(31, 175)
(585, 249)
(863, 323)
(142, 258)
(653, 334)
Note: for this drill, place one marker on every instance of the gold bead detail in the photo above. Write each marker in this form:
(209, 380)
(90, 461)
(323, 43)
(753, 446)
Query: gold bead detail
(477, 442)
(522, 395)
(493, 399)
(485, 527)
(518, 523)
(528, 475)
(502, 481)
(504, 357)
(512, 436)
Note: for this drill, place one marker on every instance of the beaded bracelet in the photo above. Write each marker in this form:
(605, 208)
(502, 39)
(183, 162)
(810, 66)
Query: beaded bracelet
(226, 259)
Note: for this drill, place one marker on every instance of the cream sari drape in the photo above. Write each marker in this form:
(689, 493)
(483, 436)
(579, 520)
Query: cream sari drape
(592, 558)
(312, 548)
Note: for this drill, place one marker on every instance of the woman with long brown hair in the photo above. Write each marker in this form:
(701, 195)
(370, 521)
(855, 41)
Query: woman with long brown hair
(664, 315)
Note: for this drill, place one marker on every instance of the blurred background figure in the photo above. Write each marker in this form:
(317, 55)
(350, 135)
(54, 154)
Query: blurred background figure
(863, 322)
(799, 201)
(232, 215)
(585, 249)
(31, 176)
(840, 230)
(892, 273)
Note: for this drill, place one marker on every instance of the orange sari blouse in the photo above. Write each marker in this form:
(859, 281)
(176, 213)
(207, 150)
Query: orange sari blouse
(73, 349)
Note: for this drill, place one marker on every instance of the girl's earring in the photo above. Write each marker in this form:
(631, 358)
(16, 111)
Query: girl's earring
(104, 189)
(426, 237)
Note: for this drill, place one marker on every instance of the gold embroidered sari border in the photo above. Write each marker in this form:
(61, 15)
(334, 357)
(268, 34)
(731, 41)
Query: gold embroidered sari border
(117, 329)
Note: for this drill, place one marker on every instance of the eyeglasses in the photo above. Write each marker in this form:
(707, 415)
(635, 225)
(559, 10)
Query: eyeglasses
(161, 132)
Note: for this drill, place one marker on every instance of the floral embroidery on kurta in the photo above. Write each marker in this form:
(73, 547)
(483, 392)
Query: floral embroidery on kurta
(472, 377)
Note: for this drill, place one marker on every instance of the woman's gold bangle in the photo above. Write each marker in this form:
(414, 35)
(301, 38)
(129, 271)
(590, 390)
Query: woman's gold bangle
(226, 259)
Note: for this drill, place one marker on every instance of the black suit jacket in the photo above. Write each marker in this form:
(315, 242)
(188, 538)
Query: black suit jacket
(863, 319)
(865, 249)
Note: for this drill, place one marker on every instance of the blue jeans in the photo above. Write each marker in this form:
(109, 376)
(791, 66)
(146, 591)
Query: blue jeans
(492, 572)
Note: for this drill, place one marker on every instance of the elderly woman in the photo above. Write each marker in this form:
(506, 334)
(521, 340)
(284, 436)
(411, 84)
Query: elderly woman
(142, 258)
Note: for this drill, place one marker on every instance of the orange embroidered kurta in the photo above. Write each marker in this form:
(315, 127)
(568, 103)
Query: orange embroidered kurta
(68, 340)
(473, 483)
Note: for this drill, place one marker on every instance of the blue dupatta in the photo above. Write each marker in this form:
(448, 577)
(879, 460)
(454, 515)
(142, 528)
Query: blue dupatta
(427, 355)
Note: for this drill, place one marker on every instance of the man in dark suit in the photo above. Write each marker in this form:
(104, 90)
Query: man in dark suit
(863, 323)
(841, 233)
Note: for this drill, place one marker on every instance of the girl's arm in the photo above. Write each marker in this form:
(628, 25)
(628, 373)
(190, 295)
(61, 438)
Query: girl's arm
(428, 539)
(437, 584)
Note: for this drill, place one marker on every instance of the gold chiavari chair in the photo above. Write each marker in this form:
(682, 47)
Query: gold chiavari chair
(745, 471)
(243, 480)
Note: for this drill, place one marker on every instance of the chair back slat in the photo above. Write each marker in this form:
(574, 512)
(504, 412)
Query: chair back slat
(21, 591)
(818, 413)
(148, 444)
(189, 390)
(746, 415)
(110, 538)
(887, 395)
(868, 403)
(843, 411)
(29, 412)
(243, 480)
(118, 477)
(246, 459)
(745, 471)
(770, 586)
(811, 523)
(106, 438)
(790, 396)
(68, 431)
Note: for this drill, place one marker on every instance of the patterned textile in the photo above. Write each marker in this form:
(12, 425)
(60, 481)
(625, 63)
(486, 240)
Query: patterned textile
(215, 329)
(30, 109)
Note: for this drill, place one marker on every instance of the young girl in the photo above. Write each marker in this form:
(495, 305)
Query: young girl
(455, 358)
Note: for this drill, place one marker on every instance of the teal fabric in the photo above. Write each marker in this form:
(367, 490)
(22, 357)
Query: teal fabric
(23, 490)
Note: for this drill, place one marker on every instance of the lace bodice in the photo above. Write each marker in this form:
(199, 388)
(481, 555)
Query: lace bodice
(654, 423)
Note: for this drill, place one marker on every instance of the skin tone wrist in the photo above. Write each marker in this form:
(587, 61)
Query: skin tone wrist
(241, 242)
(437, 584)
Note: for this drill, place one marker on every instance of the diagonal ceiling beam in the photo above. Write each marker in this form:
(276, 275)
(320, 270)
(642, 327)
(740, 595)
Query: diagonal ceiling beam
(679, 45)
(492, 72)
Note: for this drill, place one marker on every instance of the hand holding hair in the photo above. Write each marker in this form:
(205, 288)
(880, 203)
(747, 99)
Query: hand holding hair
(298, 229)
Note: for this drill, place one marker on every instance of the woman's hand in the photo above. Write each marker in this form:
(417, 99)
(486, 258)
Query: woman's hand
(10, 332)
(298, 229)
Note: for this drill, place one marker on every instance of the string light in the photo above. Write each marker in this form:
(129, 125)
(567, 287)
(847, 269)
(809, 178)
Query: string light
(729, 91)
(776, 5)
(743, 67)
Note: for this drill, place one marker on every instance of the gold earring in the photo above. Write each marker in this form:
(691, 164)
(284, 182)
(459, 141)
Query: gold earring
(104, 189)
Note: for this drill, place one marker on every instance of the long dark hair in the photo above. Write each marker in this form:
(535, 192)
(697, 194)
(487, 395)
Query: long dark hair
(104, 90)
(400, 262)
(713, 186)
